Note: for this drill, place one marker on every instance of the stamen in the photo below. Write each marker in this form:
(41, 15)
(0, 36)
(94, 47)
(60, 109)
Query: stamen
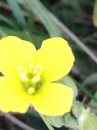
(31, 67)
(24, 77)
(35, 79)
(31, 90)
(30, 78)
(20, 68)
(37, 70)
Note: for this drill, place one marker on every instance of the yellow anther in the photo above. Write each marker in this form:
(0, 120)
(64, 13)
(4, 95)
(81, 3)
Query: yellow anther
(24, 77)
(37, 69)
(31, 90)
(35, 79)
(32, 67)
(20, 68)
(30, 77)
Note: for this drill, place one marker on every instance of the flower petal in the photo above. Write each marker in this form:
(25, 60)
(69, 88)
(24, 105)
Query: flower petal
(14, 52)
(55, 57)
(12, 96)
(53, 99)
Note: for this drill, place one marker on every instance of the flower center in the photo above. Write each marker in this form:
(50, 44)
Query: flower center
(30, 79)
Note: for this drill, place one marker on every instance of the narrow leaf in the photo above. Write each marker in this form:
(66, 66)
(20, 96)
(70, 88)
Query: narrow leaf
(17, 11)
(36, 7)
(95, 14)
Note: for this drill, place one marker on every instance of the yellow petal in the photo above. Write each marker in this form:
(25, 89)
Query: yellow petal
(55, 57)
(12, 96)
(53, 99)
(14, 52)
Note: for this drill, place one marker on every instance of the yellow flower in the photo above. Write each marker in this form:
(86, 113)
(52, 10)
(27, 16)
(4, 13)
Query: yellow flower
(29, 75)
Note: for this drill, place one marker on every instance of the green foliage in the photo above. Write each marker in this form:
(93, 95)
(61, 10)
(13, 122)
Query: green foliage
(17, 12)
(36, 7)
(95, 14)
(31, 20)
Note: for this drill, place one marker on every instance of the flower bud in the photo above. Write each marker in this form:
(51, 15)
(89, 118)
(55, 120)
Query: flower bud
(77, 108)
(66, 80)
(70, 121)
(87, 121)
(56, 121)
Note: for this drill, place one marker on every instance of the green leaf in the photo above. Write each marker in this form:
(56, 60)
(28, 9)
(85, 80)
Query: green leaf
(36, 7)
(90, 80)
(8, 21)
(95, 14)
(2, 33)
(17, 11)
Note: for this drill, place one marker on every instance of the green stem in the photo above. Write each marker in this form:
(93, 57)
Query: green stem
(46, 122)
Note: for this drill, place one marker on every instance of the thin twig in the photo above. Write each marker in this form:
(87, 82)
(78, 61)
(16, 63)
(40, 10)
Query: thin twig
(91, 107)
(74, 38)
(16, 121)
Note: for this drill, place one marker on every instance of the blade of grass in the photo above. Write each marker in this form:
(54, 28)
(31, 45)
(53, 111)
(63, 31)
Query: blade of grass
(36, 7)
(17, 11)
(74, 38)
(92, 102)
(7, 21)
(90, 80)
(2, 33)
(85, 91)
(95, 14)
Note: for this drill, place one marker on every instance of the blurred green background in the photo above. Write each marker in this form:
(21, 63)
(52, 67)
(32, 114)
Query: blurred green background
(37, 20)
